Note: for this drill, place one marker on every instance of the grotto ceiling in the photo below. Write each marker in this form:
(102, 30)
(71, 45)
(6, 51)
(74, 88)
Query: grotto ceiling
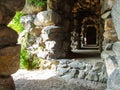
(92, 5)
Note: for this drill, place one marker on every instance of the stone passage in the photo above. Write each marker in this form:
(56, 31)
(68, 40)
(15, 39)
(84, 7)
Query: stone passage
(9, 49)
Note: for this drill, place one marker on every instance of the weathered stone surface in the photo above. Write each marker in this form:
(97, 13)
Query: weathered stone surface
(36, 31)
(63, 66)
(52, 33)
(106, 54)
(105, 15)
(70, 74)
(8, 9)
(12, 5)
(116, 48)
(8, 36)
(5, 17)
(54, 38)
(7, 83)
(62, 71)
(108, 4)
(88, 67)
(50, 44)
(92, 76)
(109, 24)
(111, 35)
(64, 10)
(98, 67)
(114, 80)
(115, 16)
(64, 61)
(75, 40)
(50, 38)
(46, 18)
(81, 74)
(55, 54)
(77, 65)
(27, 21)
(9, 60)
(9, 51)
(42, 53)
(103, 77)
(108, 46)
(49, 64)
(111, 64)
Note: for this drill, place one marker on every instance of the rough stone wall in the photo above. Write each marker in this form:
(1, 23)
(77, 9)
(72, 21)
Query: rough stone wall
(111, 44)
(64, 9)
(48, 30)
(9, 49)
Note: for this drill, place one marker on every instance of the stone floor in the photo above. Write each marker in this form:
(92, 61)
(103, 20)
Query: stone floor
(87, 55)
(49, 80)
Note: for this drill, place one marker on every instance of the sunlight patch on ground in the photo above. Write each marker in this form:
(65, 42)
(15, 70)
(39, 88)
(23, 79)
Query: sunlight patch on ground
(33, 75)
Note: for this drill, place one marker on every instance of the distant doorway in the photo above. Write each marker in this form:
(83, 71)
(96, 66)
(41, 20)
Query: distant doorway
(90, 35)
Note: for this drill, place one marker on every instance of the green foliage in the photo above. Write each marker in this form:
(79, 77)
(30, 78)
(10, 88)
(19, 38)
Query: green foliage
(34, 62)
(37, 2)
(28, 61)
(15, 23)
(24, 57)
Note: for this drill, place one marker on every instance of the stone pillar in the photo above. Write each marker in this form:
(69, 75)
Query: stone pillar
(75, 34)
(9, 50)
(64, 9)
(56, 27)
(49, 29)
(53, 35)
(111, 53)
(110, 35)
(115, 15)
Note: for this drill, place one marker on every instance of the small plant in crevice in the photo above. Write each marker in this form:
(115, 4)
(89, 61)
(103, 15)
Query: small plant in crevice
(34, 62)
(24, 57)
(28, 61)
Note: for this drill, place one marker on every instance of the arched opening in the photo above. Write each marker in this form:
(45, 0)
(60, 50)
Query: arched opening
(86, 24)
